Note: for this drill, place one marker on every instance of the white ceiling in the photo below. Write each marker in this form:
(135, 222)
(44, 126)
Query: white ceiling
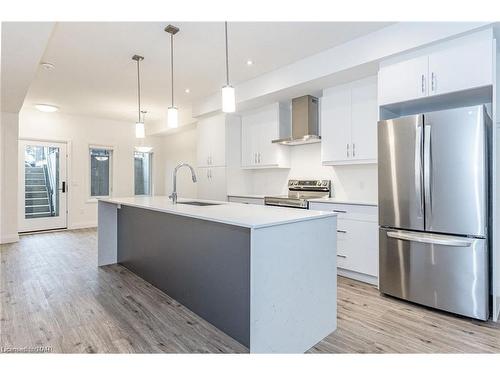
(95, 76)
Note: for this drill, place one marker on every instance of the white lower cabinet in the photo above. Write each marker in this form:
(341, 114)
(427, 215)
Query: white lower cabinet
(246, 200)
(357, 239)
(212, 183)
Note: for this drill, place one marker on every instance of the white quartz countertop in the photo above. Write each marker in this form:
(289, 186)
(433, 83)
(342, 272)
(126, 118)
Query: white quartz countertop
(244, 215)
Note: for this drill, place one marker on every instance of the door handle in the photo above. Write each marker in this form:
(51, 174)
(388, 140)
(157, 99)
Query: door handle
(419, 173)
(63, 188)
(433, 239)
(427, 172)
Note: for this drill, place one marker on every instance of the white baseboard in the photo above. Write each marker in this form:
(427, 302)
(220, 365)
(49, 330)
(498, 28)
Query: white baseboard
(9, 239)
(358, 276)
(83, 225)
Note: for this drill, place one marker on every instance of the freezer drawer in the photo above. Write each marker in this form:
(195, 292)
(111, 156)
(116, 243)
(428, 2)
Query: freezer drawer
(441, 271)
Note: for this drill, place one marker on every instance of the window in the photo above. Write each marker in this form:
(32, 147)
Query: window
(100, 172)
(142, 173)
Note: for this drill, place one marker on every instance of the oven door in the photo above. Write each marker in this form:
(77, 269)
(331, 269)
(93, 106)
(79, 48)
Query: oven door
(285, 202)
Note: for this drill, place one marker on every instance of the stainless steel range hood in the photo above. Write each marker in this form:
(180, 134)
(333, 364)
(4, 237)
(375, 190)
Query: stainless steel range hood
(305, 122)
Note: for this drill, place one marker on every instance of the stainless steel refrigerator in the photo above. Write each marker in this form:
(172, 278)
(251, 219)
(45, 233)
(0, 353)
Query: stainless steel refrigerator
(433, 209)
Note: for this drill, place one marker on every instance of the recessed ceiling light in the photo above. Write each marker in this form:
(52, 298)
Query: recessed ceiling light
(46, 108)
(187, 91)
(47, 65)
(249, 62)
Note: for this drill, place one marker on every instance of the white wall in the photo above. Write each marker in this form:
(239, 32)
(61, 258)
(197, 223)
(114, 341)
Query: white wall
(180, 148)
(80, 132)
(351, 182)
(8, 172)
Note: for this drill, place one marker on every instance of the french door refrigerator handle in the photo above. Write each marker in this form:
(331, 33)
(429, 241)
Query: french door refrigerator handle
(419, 171)
(427, 173)
(430, 239)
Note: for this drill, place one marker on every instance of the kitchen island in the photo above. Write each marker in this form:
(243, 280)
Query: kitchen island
(265, 276)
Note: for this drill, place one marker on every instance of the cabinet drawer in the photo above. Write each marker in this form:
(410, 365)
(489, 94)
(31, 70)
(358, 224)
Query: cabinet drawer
(348, 211)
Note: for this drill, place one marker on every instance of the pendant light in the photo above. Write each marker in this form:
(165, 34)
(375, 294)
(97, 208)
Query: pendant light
(228, 97)
(139, 125)
(142, 147)
(172, 113)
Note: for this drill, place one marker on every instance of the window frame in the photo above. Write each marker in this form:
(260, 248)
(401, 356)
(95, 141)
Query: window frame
(94, 198)
(150, 153)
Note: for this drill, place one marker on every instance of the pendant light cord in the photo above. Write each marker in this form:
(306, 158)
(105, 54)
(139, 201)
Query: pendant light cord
(139, 89)
(172, 65)
(227, 56)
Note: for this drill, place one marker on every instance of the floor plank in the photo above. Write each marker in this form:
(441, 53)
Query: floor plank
(53, 294)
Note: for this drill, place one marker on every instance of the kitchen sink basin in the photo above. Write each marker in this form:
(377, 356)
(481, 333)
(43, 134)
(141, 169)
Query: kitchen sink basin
(195, 203)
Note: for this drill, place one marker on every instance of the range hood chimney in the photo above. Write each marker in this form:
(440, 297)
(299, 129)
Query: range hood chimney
(305, 122)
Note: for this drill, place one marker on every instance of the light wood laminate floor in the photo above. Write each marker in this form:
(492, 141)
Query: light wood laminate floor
(53, 294)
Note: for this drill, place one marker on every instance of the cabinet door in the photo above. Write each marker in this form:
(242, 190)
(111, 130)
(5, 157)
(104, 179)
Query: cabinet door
(267, 131)
(359, 241)
(217, 178)
(461, 67)
(364, 120)
(336, 125)
(248, 142)
(203, 142)
(218, 141)
(403, 81)
(203, 182)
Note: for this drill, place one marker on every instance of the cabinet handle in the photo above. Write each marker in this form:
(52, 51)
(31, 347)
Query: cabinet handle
(433, 84)
(259, 158)
(255, 158)
(341, 231)
(207, 174)
(347, 150)
(208, 160)
(340, 211)
(342, 256)
(423, 84)
(354, 150)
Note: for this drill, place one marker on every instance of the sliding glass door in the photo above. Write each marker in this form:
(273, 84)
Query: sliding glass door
(42, 186)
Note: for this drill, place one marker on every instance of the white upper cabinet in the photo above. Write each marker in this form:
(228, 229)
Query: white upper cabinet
(258, 129)
(403, 81)
(336, 124)
(461, 67)
(349, 123)
(457, 65)
(211, 145)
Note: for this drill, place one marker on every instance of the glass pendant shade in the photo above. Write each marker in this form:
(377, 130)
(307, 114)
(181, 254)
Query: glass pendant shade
(143, 148)
(173, 117)
(139, 130)
(228, 99)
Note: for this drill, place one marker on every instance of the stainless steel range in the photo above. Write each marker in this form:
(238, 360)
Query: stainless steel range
(299, 191)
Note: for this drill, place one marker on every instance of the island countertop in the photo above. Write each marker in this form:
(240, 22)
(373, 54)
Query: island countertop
(244, 215)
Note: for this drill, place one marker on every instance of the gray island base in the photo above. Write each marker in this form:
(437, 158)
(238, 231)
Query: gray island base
(265, 276)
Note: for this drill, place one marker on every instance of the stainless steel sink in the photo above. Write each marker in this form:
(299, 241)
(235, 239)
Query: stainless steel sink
(195, 203)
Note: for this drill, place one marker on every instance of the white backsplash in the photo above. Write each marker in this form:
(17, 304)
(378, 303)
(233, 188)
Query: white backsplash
(350, 182)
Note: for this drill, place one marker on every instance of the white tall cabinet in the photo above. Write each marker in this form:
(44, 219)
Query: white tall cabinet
(349, 123)
(212, 146)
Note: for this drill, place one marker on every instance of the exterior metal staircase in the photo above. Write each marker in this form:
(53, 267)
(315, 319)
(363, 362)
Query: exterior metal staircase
(37, 191)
